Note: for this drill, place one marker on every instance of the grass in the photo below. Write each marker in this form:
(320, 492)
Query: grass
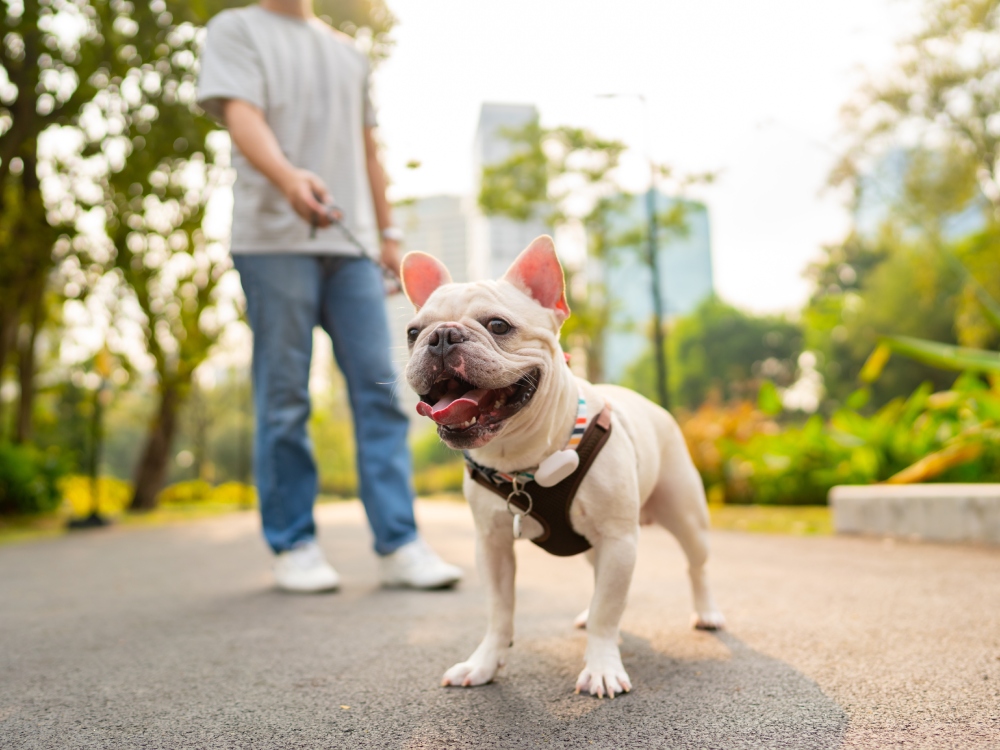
(28, 528)
(794, 520)
(809, 520)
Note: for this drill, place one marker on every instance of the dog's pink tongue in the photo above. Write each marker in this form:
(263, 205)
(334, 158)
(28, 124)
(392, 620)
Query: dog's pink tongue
(453, 409)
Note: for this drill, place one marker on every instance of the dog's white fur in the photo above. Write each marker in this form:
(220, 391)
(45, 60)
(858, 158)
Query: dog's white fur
(644, 473)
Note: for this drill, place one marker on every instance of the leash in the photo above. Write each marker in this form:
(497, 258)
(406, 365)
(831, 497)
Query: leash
(392, 283)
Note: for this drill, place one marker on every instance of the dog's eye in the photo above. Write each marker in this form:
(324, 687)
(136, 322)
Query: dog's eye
(411, 334)
(498, 326)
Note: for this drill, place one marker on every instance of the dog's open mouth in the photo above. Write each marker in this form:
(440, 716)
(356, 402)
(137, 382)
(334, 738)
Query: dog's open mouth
(457, 405)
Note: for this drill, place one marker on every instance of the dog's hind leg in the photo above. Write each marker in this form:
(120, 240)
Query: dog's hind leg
(678, 504)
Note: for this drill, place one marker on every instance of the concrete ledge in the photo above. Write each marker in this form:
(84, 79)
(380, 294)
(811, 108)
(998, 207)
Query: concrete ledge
(935, 512)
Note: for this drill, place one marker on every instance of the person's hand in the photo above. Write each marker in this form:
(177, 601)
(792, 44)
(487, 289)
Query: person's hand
(391, 258)
(307, 194)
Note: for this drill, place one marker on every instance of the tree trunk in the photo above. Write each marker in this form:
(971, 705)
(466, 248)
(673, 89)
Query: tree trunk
(8, 325)
(151, 470)
(26, 370)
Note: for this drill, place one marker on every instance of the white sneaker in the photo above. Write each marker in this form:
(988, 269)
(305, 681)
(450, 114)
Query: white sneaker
(304, 569)
(416, 566)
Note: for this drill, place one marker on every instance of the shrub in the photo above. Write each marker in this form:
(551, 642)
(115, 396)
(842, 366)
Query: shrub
(196, 491)
(113, 494)
(29, 479)
(949, 436)
(184, 493)
(234, 493)
(440, 478)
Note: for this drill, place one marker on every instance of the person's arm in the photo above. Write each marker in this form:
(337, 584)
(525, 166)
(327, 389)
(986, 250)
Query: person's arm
(383, 211)
(254, 138)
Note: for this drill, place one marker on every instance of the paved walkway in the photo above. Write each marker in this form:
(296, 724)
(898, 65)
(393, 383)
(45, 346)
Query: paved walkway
(173, 638)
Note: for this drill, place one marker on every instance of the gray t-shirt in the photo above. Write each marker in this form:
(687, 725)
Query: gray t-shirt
(311, 82)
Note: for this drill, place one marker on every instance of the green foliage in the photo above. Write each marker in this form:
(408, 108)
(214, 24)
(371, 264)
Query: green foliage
(768, 399)
(941, 99)
(62, 422)
(436, 467)
(333, 440)
(944, 90)
(118, 79)
(434, 480)
(721, 350)
(548, 167)
(563, 175)
(945, 356)
(29, 479)
(429, 450)
(949, 436)
(869, 288)
(518, 187)
(369, 21)
(977, 259)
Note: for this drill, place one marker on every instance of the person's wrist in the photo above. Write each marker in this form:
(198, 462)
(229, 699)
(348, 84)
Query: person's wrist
(287, 181)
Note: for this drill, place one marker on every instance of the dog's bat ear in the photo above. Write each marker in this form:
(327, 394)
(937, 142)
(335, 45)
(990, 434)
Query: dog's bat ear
(537, 273)
(421, 274)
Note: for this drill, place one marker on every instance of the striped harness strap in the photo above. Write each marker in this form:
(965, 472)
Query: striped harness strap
(501, 477)
(550, 506)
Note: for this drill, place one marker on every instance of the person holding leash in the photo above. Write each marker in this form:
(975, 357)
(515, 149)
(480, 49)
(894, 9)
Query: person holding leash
(294, 95)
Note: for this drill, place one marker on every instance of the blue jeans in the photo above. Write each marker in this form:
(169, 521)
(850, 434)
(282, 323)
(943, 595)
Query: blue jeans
(287, 296)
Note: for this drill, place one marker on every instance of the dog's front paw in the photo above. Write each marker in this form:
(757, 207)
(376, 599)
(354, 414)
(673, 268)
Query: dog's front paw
(475, 671)
(603, 676)
(711, 619)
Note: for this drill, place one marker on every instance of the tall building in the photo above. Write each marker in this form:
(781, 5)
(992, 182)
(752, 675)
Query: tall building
(685, 266)
(496, 241)
(438, 225)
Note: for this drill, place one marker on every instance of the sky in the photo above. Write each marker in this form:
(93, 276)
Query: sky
(751, 90)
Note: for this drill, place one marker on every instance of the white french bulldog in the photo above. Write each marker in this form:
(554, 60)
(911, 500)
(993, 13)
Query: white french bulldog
(487, 364)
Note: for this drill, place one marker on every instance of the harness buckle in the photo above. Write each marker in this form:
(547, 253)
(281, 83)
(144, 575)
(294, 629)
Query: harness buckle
(516, 512)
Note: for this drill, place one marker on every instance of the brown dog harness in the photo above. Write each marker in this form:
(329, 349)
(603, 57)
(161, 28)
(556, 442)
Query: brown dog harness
(549, 506)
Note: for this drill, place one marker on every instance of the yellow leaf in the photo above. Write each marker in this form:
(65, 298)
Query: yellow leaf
(875, 364)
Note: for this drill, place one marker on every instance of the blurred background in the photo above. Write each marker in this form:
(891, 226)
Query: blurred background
(779, 218)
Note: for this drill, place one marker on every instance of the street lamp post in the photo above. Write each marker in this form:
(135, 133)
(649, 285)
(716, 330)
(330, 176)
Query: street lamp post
(657, 292)
(659, 326)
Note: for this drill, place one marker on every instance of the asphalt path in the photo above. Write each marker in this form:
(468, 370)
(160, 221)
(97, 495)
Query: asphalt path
(174, 637)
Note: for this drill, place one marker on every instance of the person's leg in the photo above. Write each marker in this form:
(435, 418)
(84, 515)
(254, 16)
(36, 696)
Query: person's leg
(353, 314)
(282, 294)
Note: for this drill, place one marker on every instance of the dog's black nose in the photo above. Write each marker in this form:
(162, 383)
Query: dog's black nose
(444, 339)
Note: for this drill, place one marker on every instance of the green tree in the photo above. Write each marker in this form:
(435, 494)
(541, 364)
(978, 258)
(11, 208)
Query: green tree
(943, 97)
(722, 351)
(868, 288)
(119, 87)
(40, 88)
(944, 91)
(566, 175)
(563, 175)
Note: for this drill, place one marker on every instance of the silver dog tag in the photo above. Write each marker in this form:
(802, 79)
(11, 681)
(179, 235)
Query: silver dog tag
(517, 525)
